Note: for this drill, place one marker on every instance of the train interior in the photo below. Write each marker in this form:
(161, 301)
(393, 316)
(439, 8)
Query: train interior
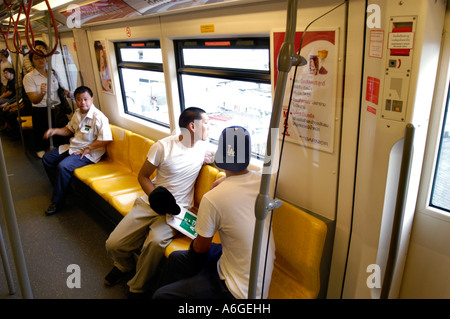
(360, 140)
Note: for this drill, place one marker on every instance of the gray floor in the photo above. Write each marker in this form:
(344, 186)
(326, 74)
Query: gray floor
(52, 243)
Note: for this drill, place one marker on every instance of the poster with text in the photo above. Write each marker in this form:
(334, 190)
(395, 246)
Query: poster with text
(311, 120)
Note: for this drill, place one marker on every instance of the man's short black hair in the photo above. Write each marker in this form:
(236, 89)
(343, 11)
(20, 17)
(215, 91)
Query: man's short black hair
(83, 89)
(190, 115)
(41, 43)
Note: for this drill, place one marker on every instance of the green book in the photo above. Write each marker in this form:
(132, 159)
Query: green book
(184, 222)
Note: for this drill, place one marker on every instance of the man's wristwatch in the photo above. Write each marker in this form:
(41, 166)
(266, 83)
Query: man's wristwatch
(87, 147)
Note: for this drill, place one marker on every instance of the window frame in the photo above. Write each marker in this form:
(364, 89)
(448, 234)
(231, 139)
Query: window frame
(434, 138)
(144, 66)
(248, 75)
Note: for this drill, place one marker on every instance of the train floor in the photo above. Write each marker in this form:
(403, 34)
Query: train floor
(50, 244)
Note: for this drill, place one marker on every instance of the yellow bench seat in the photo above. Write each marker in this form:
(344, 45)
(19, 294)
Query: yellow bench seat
(124, 202)
(101, 170)
(117, 185)
(299, 241)
(27, 122)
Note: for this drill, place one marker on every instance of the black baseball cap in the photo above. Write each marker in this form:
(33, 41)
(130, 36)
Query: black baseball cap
(162, 201)
(234, 149)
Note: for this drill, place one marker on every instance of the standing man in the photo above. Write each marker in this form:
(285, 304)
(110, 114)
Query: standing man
(178, 160)
(216, 271)
(91, 133)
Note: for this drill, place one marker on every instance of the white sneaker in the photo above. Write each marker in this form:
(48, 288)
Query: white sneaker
(40, 154)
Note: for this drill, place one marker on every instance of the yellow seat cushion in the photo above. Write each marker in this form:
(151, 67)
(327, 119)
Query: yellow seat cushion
(137, 151)
(102, 169)
(178, 243)
(27, 122)
(182, 242)
(205, 179)
(123, 203)
(117, 150)
(116, 159)
(110, 187)
(299, 240)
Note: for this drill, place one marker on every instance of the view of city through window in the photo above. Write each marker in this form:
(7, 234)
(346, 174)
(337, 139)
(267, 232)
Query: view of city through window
(146, 94)
(227, 82)
(143, 82)
(232, 102)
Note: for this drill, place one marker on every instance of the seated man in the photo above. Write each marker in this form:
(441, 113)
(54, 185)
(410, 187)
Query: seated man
(178, 160)
(91, 133)
(8, 115)
(222, 271)
(9, 95)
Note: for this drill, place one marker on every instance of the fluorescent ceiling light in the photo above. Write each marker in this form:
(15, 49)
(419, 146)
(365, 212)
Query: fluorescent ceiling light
(53, 4)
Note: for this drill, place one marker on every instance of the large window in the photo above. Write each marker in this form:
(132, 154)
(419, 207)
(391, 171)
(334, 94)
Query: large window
(142, 80)
(230, 80)
(440, 196)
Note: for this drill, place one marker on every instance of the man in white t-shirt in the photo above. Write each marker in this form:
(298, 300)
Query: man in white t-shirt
(91, 133)
(178, 160)
(210, 270)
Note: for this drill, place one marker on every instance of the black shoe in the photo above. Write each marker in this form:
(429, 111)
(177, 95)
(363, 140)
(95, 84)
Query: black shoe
(52, 209)
(115, 276)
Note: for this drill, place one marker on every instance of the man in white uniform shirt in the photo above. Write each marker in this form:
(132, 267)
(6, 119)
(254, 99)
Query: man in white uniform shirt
(91, 133)
(177, 160)
(209, 270)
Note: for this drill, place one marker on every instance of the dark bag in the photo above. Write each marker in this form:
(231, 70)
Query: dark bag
(62, 110)
(64, 106)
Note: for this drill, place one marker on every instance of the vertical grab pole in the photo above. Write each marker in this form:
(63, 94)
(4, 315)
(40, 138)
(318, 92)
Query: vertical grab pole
(286, 59)
(13, 229)
(6, 267)
(18, 96)
(49, 81)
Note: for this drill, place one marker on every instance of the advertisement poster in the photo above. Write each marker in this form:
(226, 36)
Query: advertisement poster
(103, 66)
(88, 12)
(311, 118)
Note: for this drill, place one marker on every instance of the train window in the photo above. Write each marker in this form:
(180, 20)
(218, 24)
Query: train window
(439, 197)
(142, 80)
(230, 80)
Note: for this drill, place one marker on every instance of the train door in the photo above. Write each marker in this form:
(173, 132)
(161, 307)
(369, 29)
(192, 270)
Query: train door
(400, 64)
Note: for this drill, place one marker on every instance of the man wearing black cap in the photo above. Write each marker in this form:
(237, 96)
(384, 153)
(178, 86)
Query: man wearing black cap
(178, 160)
(210, 270)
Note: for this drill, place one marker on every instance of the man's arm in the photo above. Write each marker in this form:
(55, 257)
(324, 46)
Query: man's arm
(92, 146)
(201, 244)
(62, 131)
(6, 94)
(146, 171)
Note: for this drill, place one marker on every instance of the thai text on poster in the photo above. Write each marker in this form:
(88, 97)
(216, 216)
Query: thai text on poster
(312, 110)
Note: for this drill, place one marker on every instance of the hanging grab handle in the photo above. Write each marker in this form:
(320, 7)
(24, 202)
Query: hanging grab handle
(399, 209)
(29, 29)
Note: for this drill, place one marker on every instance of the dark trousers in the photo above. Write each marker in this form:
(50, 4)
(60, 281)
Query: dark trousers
(59, 168)
(181, 277)
(40, 126)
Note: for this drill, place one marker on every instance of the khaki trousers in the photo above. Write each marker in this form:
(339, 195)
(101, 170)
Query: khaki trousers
(140, 228)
